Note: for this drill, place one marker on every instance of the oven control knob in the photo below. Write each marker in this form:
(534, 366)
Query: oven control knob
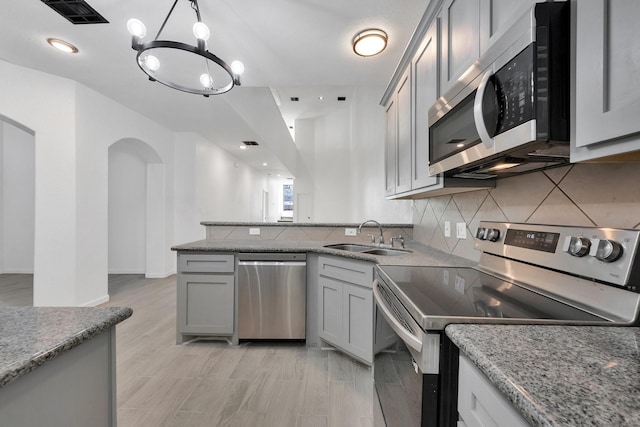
(493, 234)
(608, 250)
(481, 233)
(579, 246)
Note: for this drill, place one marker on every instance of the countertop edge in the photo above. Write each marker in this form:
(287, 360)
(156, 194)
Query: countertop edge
(297, 224)
(112, 316)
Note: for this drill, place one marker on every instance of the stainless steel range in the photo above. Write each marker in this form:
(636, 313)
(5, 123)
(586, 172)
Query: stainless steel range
(527, 274)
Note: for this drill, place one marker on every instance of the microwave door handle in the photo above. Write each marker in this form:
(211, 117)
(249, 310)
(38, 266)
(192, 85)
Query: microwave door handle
(477, 111)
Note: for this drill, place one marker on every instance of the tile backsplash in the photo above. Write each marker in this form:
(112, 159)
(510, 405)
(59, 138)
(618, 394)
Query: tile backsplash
(603, 195)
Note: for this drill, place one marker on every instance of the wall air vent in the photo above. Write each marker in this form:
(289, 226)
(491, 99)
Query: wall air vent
(76, 11)
(250, 143)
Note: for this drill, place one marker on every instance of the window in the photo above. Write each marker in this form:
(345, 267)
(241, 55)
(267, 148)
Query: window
(287, 197)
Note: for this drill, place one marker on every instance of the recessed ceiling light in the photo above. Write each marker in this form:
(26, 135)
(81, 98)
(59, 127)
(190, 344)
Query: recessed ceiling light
(321, 98)
(243, 147)
(62, 45)
(369, 42)
(264, 164)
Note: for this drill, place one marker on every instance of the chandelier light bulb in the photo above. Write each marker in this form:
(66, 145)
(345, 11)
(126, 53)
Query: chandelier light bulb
(237, 67)
(201, 31)
(151, 62)
(136, 28)
(206, 81)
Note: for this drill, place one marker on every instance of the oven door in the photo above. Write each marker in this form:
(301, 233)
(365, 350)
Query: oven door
(410, 388)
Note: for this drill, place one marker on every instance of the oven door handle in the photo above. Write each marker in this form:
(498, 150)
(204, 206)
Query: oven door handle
(409, 339)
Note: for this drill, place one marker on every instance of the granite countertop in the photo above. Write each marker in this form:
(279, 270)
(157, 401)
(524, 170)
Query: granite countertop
(32, 336)
(560, 375)
(416, 254)
(300, 224)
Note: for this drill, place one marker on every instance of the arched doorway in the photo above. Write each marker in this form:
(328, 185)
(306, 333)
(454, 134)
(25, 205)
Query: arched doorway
(136, 205)
(17, 212)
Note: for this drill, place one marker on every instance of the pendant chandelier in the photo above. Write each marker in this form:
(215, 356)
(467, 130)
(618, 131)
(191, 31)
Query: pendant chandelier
(188, 68)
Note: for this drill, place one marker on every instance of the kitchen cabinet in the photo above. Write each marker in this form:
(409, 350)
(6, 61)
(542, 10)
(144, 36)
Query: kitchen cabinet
(205, 295)
(390, 145)
(607, 80)
(347, 316)
(398, 138)
(480, 403)
(459, 39)
(496, 16)
(425, 93)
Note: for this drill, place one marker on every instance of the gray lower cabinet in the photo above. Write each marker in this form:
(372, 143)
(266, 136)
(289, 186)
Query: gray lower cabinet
(347, 316)
(205, 295)
(480, 403)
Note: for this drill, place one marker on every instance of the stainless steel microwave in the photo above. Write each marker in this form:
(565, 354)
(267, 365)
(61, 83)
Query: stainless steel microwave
(513, 116)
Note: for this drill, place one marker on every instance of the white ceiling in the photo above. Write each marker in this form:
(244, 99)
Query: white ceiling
(289, 48)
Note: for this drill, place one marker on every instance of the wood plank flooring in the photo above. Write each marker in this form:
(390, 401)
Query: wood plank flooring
(210, 383)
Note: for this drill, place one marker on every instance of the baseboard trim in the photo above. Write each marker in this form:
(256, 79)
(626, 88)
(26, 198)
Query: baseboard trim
(159, 275)
(96, 301)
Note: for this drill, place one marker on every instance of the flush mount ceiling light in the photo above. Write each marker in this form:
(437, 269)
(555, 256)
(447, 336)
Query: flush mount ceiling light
(62, 45)
(369, 42)
(182, 66)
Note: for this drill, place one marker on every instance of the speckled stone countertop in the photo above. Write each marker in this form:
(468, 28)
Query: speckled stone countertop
(415, 254)
(32, 336)
(299, 224)
(560, 375)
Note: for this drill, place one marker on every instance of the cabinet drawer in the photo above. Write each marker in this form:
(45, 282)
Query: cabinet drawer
(356, 272)
(480, 403)
(206, 263)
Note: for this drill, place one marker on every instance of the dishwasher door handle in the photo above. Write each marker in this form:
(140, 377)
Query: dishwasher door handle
(274, 263)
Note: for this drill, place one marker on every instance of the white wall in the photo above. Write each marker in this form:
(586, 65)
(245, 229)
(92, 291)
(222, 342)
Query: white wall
(18, 198)
(127, 211)
(226, 189)
(344, 157)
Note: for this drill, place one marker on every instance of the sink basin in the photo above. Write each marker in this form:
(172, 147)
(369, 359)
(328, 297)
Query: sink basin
(351, 247)
(385, 252)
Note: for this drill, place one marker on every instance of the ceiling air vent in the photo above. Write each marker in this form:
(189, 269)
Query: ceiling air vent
(76, 11)
(342, 98)
(295, 99)
(250, 143)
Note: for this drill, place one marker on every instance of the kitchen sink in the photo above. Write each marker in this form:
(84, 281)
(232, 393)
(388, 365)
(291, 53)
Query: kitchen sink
(386, 252)
(366, 249)
(351, 247)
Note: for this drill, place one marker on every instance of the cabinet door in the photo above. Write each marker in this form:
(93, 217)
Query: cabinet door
(425, 83)
(607, 72)
(403, 164)
(480, 403)
(330, 310)
(496, 16)
(460, 41)
(205, 304)
(358, 321)
(390, 144)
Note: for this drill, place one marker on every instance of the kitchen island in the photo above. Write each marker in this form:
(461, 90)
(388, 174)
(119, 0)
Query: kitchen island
(559, 375)
(57, 365)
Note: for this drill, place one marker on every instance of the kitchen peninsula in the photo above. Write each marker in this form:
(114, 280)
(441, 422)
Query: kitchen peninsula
(57, 365)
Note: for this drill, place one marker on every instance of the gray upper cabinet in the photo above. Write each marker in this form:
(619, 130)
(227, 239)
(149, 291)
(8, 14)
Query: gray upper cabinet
(403, 96)
(459, 42)
(391, 151)
(496, 16)
(425, 85)
(607, 91)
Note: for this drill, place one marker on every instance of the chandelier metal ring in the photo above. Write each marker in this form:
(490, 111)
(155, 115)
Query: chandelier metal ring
(167, 44)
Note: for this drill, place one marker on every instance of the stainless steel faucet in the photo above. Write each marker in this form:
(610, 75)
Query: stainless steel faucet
(379, 227)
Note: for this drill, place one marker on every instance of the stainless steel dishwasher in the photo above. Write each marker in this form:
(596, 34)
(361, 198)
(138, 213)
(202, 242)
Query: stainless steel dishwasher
(272, 294)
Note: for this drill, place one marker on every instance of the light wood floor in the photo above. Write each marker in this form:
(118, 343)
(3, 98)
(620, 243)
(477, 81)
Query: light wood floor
(208, 383)
(214, 384)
